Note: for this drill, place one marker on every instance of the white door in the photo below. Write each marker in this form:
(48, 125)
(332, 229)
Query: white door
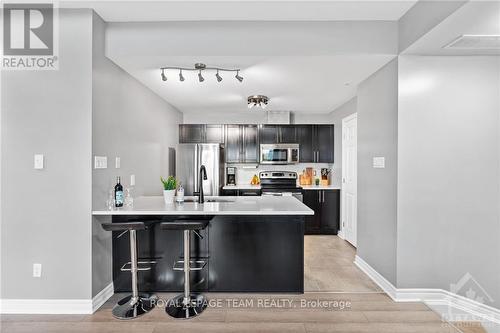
(349, 178)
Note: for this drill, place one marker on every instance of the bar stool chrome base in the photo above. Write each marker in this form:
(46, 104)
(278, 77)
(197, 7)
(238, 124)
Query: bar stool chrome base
(127, 309)
(177, 308)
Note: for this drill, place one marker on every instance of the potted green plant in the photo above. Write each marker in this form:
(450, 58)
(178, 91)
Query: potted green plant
(169, 186)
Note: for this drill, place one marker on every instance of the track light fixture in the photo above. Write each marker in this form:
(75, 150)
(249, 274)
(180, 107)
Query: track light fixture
(257, 100)
(199, 67)
(238, 77)
(200, 77)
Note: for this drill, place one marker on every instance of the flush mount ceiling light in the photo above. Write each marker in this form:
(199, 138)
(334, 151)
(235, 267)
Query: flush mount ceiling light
(257, 100)
(200, 67)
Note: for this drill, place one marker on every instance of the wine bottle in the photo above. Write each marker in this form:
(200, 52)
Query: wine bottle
(118, 193)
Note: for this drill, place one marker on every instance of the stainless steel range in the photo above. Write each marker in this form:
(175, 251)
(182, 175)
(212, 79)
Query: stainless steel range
(280, 183)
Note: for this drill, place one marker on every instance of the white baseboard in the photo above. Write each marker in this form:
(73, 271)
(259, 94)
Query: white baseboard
(56, 306)
(447, 304)
(341, 234)
(101, 298)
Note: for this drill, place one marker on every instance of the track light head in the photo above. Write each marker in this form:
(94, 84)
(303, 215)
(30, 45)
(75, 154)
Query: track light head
(181, 77)
(163, 76)
(219, 78)
(238, 77)
(200, 77)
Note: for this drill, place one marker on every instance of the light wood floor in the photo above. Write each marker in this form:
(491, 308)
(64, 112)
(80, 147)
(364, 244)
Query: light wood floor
(366, 308)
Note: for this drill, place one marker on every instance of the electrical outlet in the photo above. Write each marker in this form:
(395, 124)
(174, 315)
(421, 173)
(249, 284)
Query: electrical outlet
(117, 162)
(132, 180)
(37, 270)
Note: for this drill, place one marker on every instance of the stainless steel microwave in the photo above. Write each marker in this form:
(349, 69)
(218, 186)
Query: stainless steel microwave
(282, 153)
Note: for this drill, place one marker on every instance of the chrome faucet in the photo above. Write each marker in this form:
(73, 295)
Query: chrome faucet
(202, 176)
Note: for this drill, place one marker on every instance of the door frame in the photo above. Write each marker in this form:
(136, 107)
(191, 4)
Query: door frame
(343, 192)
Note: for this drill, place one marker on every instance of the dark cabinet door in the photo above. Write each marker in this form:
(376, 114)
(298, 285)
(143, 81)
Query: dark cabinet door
(214, 134)
(287, 134)
(191, 133)
(250, 135)
(324, 143)
(330, 211)
(312, 222)
(305, 139)
(233, 144)
(269, 134)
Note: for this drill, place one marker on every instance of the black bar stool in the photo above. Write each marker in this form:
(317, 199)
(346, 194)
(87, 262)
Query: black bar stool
(134, 305)
(187, 305)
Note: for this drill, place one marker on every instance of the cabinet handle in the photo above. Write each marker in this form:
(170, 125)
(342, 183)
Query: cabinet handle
(319, 196)
(323, 196)
(318, 156)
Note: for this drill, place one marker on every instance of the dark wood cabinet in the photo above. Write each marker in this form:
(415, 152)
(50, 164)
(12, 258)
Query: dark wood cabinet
(269, 134)
(305, 139)
(233, 144)
(312, 222)
(324, 141)
(241, 144)
(214, 133)
(243, 141)
(287, 134)
(201, 133)
(250, 140)
(191, 133)
(326, 206)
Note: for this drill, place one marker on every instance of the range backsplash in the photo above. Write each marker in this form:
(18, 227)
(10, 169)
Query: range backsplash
(244, 173)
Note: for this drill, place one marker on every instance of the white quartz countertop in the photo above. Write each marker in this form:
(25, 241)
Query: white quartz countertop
(226, 206)
(320, 187)
(241, 187)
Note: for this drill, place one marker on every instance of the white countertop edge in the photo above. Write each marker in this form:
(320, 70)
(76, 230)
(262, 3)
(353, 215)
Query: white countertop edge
(242, 187)
(319, 187)
(163, 212)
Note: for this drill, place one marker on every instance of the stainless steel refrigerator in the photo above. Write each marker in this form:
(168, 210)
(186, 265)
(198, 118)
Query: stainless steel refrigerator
(188, 161)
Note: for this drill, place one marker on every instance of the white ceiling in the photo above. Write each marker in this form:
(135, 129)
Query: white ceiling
(277, 10)
(301, 66)
(305, 84)
(473, 18)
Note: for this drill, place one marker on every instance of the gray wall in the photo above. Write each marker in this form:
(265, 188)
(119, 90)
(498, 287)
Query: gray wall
(448, 188)
(131, 122)
(377, 194)
(46, 213)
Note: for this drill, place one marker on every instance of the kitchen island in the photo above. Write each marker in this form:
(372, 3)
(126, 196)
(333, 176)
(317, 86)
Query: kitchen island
(252, 244)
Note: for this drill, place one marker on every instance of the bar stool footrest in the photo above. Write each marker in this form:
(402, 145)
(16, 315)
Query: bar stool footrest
(142, 265)
(194, 265)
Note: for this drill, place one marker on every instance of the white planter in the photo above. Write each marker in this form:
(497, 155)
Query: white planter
(168, 196)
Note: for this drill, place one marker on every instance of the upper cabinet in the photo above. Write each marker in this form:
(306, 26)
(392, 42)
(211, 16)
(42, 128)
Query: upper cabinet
(323, 143)
(270, 134)
(242, 144)
(201, 133)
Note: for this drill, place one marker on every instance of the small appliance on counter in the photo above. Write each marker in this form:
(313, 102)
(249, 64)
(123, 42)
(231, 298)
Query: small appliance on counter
(231, 176)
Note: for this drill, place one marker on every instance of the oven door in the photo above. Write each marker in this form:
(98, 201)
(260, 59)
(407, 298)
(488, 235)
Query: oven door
(270, 154)
(296, 195)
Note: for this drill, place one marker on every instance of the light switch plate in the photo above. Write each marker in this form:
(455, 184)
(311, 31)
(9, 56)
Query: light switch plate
(100, 162)
(37, 270)
(379, 162)
(38, 160)
(117, 163)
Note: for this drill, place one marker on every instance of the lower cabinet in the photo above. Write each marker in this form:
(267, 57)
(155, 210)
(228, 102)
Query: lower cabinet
(326, 206)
